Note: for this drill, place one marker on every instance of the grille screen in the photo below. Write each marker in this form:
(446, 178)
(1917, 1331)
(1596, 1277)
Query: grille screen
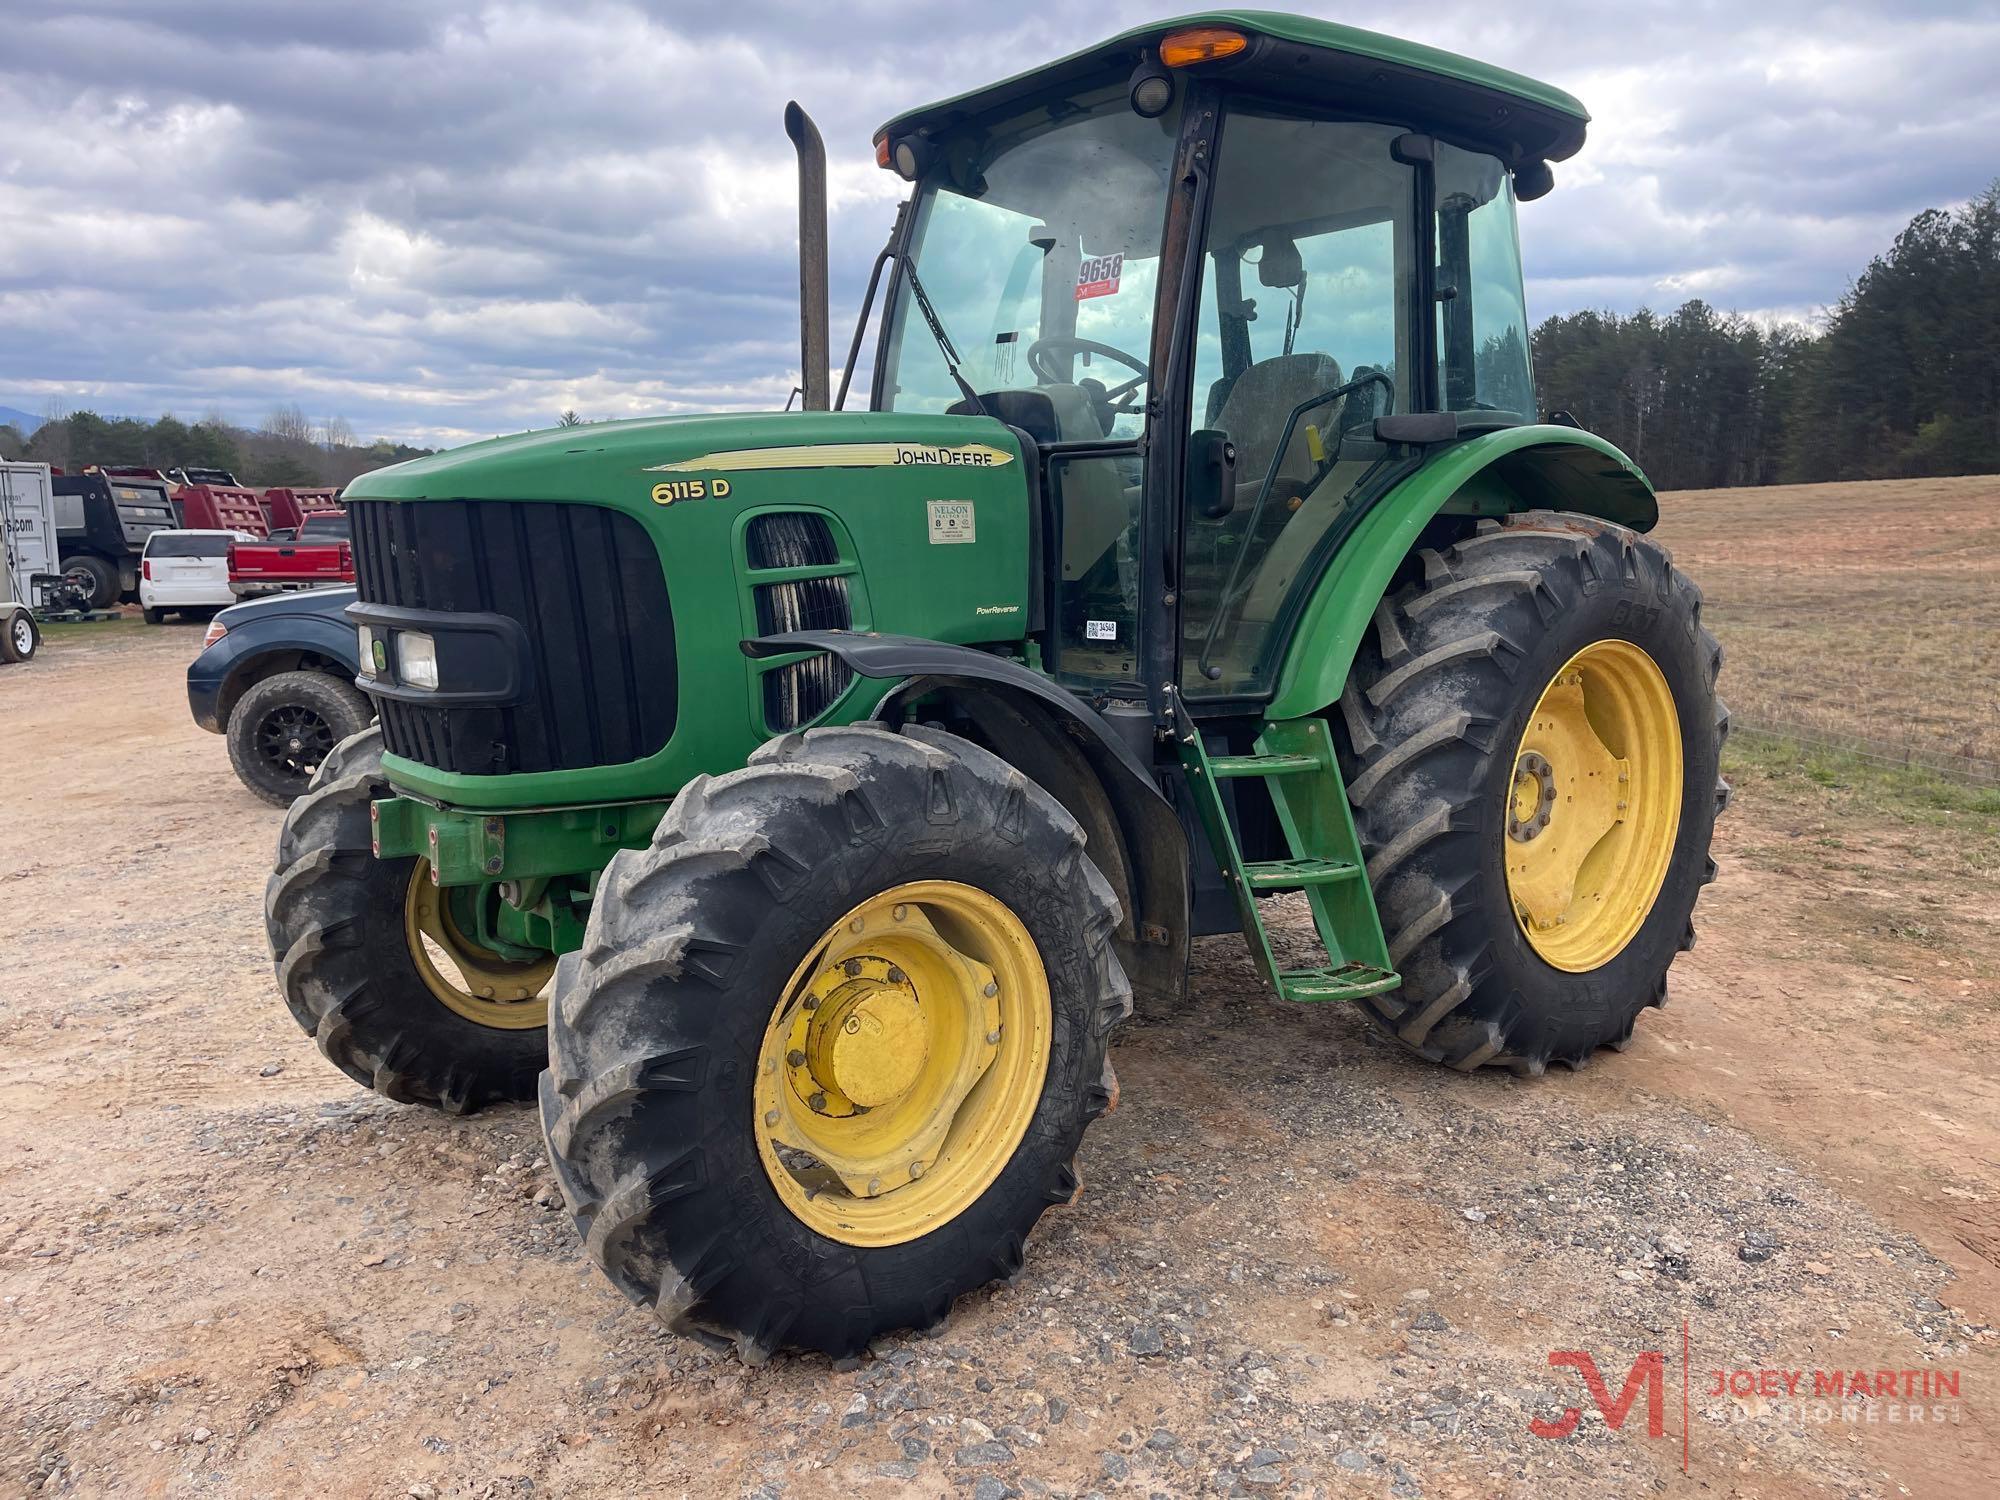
(801, 691)
(585, 583)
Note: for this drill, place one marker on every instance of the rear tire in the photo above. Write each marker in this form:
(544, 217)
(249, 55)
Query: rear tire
(153, 616)
(651, 1105)
(1429, 729)
(283, 728)
(99, 576)
(335, 916)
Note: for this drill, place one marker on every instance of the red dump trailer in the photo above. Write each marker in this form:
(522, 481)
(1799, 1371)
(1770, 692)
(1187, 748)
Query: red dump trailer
(286, 507)
(221, 507)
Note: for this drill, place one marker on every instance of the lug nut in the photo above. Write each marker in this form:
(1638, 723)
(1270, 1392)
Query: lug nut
(896, 976)
(993, 1038)
(855, 925)
(817, 1103)
(812, 1002)
(795, 1058)
(770, 1117)
(916, 1170)
(874, 1184)
(900, 913)
(852, 967)
(991, 989)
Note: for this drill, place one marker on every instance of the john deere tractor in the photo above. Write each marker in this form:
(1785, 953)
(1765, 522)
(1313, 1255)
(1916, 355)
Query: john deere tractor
(794, 803)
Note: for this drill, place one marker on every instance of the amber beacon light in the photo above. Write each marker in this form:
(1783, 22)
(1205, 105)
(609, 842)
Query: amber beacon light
(1200, 44)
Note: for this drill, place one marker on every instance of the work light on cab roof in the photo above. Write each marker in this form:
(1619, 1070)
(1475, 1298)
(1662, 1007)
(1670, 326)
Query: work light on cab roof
(1195, 539)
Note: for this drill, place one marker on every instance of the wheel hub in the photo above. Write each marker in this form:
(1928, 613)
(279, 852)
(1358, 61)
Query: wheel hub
(1593, 806)
(483, 986)
(903, 1063)
(1533, 799)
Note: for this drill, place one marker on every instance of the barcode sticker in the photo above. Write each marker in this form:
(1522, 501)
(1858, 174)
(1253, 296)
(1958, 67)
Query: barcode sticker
(1100, 630)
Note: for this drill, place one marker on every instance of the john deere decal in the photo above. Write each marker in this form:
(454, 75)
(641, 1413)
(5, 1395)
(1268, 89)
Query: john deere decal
(841, 456)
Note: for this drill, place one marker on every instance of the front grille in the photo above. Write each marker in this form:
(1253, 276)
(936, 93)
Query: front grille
(800, 691)
(584, 582)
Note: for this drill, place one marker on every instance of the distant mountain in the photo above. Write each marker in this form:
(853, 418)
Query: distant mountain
(26, 422)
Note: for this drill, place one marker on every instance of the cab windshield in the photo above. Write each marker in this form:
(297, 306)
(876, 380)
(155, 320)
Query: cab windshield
(1037, 241)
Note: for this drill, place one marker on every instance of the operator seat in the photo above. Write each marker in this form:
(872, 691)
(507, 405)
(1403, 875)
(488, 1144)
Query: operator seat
(1257, 403)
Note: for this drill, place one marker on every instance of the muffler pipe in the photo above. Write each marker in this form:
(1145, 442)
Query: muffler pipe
(814, 376)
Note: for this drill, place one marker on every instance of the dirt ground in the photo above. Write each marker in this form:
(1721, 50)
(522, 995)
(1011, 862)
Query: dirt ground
(1303, 1262)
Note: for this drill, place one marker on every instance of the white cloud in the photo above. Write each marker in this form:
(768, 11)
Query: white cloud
(456, 219)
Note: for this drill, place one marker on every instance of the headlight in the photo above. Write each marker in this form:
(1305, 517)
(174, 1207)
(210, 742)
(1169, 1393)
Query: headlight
(374, 653)
(416, 659)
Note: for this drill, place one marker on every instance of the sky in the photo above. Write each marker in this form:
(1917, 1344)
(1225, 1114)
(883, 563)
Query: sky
(441, 219)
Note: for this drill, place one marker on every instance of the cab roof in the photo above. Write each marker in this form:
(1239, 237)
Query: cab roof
(1324, 66)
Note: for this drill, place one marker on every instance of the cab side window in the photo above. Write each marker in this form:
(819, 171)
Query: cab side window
(1306, 288)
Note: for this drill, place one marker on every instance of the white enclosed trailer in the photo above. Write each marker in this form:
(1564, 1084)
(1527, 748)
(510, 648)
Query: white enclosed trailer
(28, 536)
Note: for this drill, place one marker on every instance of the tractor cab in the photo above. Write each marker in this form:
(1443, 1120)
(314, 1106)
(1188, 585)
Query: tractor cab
(1197, 267)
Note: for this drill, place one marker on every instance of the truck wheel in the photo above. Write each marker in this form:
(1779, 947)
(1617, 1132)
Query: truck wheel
(96, 576)
(374, 961)
(832, 1040)
(1532, 743)
(283, 727)
(21, 637)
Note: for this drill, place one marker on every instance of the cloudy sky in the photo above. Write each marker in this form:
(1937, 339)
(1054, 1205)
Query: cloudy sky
(443, 219)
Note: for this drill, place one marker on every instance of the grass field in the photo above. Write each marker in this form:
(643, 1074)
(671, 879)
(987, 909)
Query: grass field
(1866, 616)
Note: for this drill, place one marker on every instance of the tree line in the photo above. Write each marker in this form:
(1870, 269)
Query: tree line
(1902, 381)
(289, 448)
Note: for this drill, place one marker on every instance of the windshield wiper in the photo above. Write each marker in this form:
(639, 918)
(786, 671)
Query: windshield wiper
(944, 343)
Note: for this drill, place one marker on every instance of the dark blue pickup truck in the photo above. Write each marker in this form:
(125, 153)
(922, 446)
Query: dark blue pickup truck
(276, 679)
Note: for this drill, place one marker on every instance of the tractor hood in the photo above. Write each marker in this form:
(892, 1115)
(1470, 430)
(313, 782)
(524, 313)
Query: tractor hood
(624, 462)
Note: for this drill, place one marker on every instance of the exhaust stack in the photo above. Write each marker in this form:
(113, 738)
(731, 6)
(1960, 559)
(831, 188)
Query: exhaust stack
(813, 373)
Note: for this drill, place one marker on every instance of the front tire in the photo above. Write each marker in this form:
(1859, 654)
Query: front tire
(352, 937)
(1532, 742)
(282, 728)
(824, 894)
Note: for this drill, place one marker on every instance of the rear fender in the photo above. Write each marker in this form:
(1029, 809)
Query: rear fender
(1498, 473)
(1056, 740)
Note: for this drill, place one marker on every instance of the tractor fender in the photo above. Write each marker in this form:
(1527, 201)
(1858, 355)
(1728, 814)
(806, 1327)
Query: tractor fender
(1058, 741)
(1541, 467)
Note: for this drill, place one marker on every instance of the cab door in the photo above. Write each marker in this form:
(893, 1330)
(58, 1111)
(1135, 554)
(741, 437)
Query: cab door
(1304, 333)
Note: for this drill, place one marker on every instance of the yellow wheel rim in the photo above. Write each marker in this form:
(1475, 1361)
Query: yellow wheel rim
(486, 988)
(902, 1063)
(1593, 806)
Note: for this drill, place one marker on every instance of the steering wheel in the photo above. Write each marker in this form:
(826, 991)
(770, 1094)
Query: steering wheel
(1044, 353)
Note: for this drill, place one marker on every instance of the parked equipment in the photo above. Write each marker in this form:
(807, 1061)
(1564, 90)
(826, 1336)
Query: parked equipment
(1199, 544)
(276, 678)
(186, 571)
(102, 522)
(28, 550)
(320, 554)
(220, 507)
(285, 508)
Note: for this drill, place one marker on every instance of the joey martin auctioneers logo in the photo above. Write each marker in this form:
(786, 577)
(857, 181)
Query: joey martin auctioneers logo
(1925, 1397)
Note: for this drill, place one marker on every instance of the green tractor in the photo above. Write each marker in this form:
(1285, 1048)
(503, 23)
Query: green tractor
(795, 802)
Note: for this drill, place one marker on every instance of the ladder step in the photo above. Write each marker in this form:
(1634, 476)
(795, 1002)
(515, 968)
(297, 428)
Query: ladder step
(1291, 874)
(1349, 982)
(1226, 766)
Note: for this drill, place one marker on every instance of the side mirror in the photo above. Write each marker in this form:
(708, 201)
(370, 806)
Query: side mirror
(1211, 472)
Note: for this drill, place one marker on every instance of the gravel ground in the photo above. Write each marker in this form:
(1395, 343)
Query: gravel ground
(1302, 1262)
